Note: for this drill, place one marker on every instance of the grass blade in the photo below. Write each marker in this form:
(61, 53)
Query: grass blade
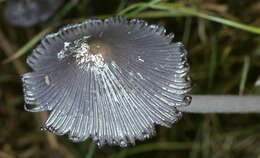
(27, 46)
(156, 14)
(187, 29)
(244, 75)
(175, 8)
(141, 8)
(91, 150)
(187, 11)
(213, 59)
(63, 12)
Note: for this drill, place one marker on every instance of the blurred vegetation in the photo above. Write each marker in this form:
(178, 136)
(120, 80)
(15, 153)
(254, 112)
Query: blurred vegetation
(222, 38)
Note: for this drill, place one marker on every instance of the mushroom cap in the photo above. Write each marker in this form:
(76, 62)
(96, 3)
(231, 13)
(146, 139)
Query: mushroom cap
(110, 80)
(26, 13)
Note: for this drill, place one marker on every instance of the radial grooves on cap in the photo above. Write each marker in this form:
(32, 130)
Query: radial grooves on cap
(143, 81)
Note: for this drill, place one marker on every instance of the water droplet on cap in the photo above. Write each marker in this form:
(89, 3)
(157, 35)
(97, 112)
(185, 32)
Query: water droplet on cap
(187, 99)
(123, 143)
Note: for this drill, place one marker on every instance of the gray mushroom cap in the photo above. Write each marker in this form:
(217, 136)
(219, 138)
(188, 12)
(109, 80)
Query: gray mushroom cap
(110, 80)
(26, 13)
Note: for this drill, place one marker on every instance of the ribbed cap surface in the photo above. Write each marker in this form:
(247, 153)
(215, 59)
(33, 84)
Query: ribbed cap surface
(110, 80)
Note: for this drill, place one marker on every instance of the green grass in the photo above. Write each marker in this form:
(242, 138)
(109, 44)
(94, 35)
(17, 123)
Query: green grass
(91, 150)
(244, 74)
(213, 59)
(172, 10)
(187, 30)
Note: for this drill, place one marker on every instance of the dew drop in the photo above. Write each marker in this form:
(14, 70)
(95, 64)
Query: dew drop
(146, 135)
(187, 99)
(188, 78)
(114, 142)
(123, 143)
(99, 144)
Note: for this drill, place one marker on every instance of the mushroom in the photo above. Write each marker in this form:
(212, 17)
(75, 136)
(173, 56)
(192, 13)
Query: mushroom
(111, 80)
(26, 13)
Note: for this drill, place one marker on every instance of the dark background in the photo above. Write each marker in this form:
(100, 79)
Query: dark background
(218, 55)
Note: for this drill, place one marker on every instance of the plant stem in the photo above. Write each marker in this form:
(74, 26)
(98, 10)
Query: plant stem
(223, 104)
